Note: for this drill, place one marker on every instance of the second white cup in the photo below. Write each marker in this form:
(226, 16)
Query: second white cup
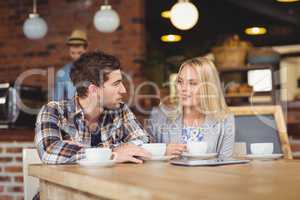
(98, 154)
(156, 149)
(261, 148)
(197, 147)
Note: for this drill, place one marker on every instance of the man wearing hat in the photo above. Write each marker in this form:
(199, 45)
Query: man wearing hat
(64, 88)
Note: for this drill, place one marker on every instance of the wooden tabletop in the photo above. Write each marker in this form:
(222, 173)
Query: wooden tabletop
(159, 180)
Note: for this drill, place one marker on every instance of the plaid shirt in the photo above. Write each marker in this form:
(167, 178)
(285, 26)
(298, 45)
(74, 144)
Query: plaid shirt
(61, 126)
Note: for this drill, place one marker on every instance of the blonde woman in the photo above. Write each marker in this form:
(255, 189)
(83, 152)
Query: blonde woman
(200, 114)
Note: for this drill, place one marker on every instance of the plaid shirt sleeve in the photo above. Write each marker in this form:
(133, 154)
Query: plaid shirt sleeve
(133, 132)
(51, 148)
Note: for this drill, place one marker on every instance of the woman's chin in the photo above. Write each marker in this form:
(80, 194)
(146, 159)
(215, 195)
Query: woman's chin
(187, 104)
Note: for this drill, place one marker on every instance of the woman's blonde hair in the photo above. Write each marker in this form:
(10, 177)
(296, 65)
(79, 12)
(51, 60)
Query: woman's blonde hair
(212, 101)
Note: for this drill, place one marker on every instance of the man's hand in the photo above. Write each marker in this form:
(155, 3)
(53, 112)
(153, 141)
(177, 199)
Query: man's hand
(129, 152)
(175, 149)
(73, 143)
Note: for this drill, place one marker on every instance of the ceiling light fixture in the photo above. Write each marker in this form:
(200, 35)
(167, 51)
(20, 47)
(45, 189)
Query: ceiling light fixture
(184, 15)
(106, 19)
(256, 31)
(166, 14)
(170, 38)
(287, 1)
(35, 27)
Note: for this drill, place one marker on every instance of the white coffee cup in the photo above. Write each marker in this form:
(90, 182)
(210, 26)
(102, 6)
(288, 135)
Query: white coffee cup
(98, 154)
(196, 147)
(156, 149)
(261, 148)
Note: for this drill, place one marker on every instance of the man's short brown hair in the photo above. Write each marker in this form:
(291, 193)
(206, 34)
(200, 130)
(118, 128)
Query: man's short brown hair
(92, 68)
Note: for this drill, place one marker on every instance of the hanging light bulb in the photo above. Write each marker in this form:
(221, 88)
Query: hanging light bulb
(184, 15)
(106, 19)
(35, 27)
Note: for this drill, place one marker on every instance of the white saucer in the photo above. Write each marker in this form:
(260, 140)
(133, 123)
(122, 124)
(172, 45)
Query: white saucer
(264, 156)
(199, 156)
(160, 158)
(88, 163)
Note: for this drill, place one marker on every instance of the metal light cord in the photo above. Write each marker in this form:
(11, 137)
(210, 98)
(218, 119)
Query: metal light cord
(34, 6)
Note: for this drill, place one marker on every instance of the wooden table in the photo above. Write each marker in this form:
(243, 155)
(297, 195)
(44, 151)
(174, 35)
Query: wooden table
(157, 180)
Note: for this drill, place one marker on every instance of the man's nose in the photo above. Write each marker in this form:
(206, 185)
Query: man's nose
(122, 89)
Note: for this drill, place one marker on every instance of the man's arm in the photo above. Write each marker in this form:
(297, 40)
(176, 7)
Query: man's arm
(51, 148)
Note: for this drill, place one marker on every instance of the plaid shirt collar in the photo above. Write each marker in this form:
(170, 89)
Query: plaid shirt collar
(78, 111)
(107, 122)
(78, 108)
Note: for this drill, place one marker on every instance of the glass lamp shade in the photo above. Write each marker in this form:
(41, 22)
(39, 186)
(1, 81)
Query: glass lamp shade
(35, 27)
(106, 19)
(184, 15)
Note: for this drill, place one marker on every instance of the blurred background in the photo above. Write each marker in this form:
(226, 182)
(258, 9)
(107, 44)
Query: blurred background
(255, 45)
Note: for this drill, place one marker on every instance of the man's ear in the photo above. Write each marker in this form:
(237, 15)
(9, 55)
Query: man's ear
(92, 89)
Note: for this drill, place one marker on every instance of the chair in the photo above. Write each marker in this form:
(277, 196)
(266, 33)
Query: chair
(262, 124)
(31, 184)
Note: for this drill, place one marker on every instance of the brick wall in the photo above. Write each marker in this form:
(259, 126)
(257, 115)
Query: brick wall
(18, 54)
(11, 175)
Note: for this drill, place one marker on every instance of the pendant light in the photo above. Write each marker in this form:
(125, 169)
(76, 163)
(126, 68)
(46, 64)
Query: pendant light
(106, 19)
(257, 30)
(184, 15)
(170, 38)
(35, 27)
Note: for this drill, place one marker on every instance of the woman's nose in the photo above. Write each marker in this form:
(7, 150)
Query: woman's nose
(184, 87)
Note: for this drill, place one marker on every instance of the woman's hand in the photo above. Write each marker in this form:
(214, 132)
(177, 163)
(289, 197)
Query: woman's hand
(175, 149)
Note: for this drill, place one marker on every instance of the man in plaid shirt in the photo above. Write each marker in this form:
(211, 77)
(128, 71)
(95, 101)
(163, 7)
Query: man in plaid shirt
(95, 117)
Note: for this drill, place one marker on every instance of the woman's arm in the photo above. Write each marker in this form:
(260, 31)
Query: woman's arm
(226, 150)
(155, 123)
(152, 126)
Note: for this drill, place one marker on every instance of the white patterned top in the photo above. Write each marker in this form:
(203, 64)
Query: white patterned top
(219, 134)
